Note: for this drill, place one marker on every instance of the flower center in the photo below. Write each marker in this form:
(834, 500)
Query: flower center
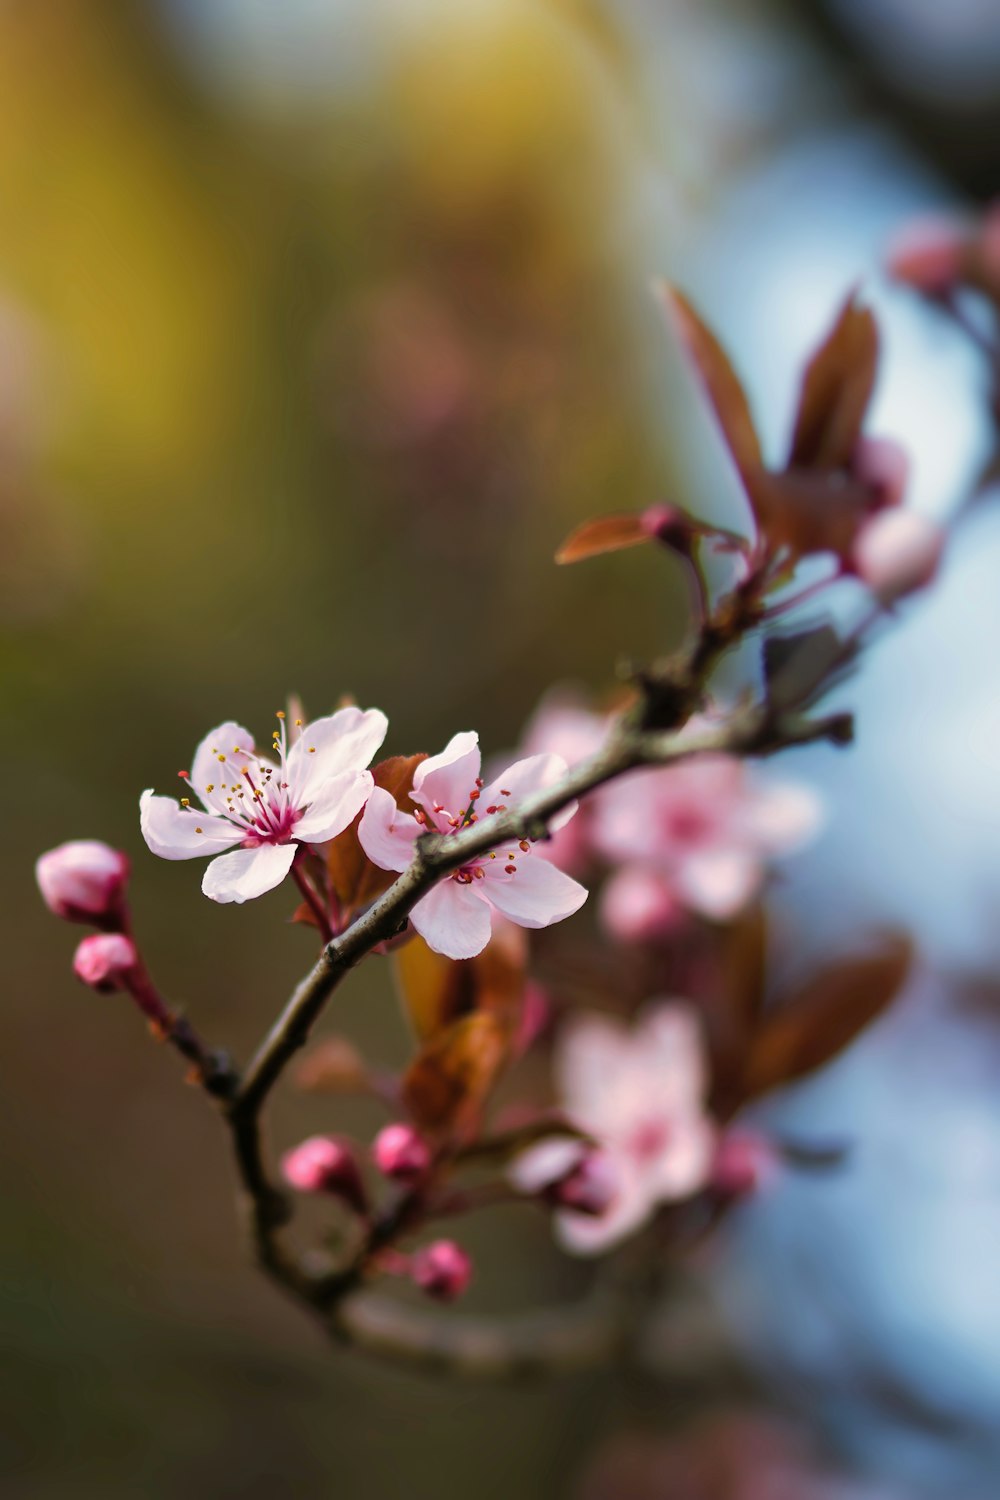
(648, 1140)
(254, 793)
(447, 822)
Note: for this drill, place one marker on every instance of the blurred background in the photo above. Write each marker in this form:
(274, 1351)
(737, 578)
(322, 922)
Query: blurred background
(320, 325)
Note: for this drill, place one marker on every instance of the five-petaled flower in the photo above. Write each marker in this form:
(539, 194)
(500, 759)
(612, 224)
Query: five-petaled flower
(455, 918)
(697, 837)
(268, 805)
(639, 1095)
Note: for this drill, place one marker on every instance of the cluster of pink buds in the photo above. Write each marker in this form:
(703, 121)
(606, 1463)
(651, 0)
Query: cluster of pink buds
(85, 881)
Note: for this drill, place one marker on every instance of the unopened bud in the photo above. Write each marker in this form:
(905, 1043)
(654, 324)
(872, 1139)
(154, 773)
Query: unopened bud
(105, 961)
(897, 552)
(567, 1173)
(443, 1270)
(400, 1153)
(322, 1164)
(83, 881)
(928, 256)
(591, 1188)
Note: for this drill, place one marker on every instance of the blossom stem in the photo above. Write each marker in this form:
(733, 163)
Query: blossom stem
(311, 897)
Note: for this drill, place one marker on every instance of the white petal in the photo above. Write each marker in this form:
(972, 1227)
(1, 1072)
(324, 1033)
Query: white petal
(537, 895)
(247, 873)
(387, 835)
(447, 780)
(452, 920)
(338, 804)
(526, 776)
(208, 770)
(684, 1166)
(344, 741)
(174, 832)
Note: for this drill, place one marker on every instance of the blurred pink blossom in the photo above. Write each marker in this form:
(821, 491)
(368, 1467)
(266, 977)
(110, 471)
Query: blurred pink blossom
(639, 1093)
(695, 836)
(928, 255)
(456, 917)
(267, 804)
(322, 1164)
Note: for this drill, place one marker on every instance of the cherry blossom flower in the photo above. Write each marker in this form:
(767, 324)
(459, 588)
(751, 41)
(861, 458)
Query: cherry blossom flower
(639, 1094)
(694, 836)
(455, 918)
(897, 553)
(268, 805)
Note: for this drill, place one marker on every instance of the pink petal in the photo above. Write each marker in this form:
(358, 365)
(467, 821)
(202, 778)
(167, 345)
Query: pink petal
(453, 920)
(537, 895)
(338, 804)
(247, 873)
(638, 904)
(593, 1071)
(719, 884)
(668, 1040)
(585, 1234)
(782, 816)
(526, 776)
(207, 769)
(387, 835)
(685, 1166)
(174, 832)
(344, 741)
(446, 780)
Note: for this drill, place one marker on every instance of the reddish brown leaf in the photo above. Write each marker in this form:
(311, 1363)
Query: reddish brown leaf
(448, 1082)
(825, 1015)
(607, 534)
(354, 880)
(436, 991)
(808, 511)
(836, 390)
(722, 384)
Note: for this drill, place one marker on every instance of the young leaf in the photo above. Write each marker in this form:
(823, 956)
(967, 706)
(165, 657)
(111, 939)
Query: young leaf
(722, 384)
(836, 390)
(825, 1016)
(436, 991)
(354, 880)
(448, 1082)
(606, 534)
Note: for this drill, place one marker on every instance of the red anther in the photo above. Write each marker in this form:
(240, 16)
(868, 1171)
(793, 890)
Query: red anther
(491, 809)
(504, 792)
(501, 806)
(184, 775)
(474, 795)
(511, 869)
(479, 781)
(524, 846)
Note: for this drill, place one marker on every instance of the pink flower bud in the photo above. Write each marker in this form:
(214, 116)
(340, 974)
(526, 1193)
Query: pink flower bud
(400, 1153)
(83, 881)
(883, 465)
(567, 1173)
(897, 552)
(928, 256)
(105, 961)
(442, 1270)
(744, 1162)
(324, 1165)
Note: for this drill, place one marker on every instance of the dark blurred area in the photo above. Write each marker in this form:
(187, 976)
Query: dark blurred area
(320, 325)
